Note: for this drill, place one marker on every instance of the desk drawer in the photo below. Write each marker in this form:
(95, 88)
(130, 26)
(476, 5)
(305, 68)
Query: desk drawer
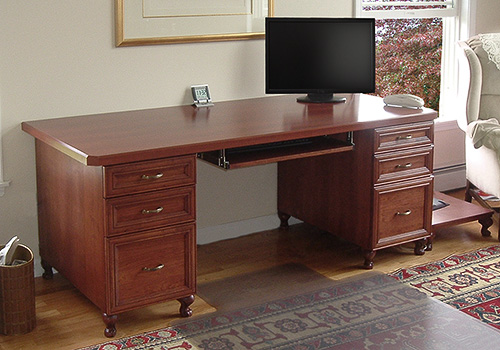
(394, 166)
(151, 210)
(403, 211)
(153, 266)
(403, 136)
(149, 176)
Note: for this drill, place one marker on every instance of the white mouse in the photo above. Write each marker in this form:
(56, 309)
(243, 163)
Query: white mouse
(404, 100)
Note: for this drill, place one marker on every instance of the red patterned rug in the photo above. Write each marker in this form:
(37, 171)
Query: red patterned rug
(372, 311)
(469, 282)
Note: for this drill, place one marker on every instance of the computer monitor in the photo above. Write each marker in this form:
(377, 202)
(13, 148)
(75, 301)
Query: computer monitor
(320, 57)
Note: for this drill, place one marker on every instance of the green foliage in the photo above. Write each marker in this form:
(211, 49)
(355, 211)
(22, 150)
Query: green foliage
(408, 58)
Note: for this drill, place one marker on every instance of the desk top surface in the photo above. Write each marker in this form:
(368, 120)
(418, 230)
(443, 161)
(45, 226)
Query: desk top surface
(121, 137)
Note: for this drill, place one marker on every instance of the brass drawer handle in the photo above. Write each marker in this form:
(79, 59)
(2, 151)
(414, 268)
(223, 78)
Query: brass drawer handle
(151, 269)
(404, 166)
(154, 211)
(406, 137)
(151, 177)
(405, 213)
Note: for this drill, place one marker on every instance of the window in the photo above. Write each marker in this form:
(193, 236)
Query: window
(416, 45)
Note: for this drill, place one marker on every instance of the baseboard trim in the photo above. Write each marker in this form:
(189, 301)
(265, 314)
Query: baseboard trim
(239, 228)
(449, 178)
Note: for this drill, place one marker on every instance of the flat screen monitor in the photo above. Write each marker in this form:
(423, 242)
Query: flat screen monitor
(320, 57)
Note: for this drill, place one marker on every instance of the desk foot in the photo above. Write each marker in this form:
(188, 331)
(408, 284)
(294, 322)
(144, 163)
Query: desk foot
(369, 256)
(485, 225)
(428, 245)
(48, 272)
(110, 321)
(420, 247)
(283, 219)
(185, 310)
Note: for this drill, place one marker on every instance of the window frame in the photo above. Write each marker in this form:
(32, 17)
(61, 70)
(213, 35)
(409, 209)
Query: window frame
(450, 11)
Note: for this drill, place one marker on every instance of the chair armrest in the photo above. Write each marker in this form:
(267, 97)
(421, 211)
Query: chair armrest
(470, 85)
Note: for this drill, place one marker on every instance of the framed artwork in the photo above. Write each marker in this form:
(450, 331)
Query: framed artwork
(149, 22)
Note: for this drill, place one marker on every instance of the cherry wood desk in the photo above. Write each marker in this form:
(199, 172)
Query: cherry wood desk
(116, 191)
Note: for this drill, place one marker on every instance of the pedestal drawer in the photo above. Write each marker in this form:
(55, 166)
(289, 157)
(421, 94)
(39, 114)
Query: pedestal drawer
(151, 210)
(394, 166)
(149, 176)
(403, 136)
(403, 211)
(151, 267)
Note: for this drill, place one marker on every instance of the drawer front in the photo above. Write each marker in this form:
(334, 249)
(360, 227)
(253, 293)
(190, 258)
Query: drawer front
(151, 267)
(403, 136)
(394, 166)
(151, 210)
(149, 176)
(403, 212)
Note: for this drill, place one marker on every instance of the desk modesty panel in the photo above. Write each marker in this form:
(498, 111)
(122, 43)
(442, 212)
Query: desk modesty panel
(116, 191)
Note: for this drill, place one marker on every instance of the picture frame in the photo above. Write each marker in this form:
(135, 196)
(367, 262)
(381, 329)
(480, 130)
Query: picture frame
(152, 22)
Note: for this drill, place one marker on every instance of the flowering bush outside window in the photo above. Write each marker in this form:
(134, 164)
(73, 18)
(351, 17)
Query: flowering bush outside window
(408, 58)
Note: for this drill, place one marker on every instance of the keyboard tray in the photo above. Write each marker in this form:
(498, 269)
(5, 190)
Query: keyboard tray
(241, 157)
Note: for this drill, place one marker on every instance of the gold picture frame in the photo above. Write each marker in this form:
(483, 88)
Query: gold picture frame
(153, 22)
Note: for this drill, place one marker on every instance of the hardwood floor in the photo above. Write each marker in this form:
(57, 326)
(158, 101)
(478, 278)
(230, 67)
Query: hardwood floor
(67, 320)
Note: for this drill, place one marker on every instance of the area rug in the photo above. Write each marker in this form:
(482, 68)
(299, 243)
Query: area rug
(469, 282)
(372, 311)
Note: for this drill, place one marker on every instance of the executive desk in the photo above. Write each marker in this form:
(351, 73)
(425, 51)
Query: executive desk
(116, 191)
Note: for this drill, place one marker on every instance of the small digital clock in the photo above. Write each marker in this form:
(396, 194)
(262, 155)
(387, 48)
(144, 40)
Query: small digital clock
(201, 95)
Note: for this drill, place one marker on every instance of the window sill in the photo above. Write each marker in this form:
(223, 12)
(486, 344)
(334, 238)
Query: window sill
(443, 125)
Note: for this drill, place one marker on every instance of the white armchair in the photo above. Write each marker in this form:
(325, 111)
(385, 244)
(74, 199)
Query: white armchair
(481, 94)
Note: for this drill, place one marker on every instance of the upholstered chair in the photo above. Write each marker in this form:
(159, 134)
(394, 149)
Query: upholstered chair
(480, 93)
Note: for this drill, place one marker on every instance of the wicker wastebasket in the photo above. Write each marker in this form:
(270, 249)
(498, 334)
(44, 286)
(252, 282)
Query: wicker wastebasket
(17, 294)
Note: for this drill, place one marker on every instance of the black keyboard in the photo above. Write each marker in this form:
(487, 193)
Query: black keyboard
(270, 146)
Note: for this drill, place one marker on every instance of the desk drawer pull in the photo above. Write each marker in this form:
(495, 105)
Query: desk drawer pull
(151, 177)
(404, 166)
(152, 269)
(154, 211)
(405, 213)
(406, 137)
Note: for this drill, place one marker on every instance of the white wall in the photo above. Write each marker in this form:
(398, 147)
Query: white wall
(57, 58)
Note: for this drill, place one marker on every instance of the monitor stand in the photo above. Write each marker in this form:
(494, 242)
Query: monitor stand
(321, 98)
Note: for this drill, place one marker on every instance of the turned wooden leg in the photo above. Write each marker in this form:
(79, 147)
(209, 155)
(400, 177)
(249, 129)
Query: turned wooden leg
(110, 321)
(185, 310)
(48, 272)
(420, 247)
(369, 256)
(468, 196)
(283, 219)
(485, 225)
(428, 246)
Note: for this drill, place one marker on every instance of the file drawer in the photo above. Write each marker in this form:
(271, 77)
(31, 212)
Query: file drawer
(402, 211)
(154, 266)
